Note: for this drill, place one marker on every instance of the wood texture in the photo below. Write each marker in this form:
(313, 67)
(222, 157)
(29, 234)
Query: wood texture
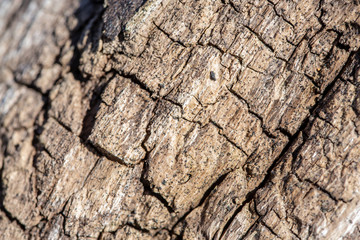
(177, 119)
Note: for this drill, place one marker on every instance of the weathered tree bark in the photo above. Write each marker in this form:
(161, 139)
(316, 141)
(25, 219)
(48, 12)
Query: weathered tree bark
(166, 119)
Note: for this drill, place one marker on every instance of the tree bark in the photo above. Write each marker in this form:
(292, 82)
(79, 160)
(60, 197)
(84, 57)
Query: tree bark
(167, 119)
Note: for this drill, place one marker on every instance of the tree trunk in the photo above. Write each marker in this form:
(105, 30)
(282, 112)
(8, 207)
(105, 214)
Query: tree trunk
(167, 119)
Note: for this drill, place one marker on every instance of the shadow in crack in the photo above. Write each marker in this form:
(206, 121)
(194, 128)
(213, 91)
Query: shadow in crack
(86, 34)
(90, 117)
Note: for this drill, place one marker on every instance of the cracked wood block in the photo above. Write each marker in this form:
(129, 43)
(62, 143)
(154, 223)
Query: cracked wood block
(158, 65)
(111, 197)
(241, 126)
(242, 222)
(210, 217)
(62, 167)
(204, 78)
(66, 104)
(108, 198)
(121, 121)
(192, 159)
(185, 21)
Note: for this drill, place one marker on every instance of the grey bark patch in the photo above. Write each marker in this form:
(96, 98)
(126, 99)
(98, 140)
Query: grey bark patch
(117, 14)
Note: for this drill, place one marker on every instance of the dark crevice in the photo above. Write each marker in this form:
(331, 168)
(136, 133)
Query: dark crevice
(322, 24)
(168, 36)
(136, 81)
(253, 69)
(312, 80)
(322, 190)
(326, 121)
(101, 152)
(237, 57)
(100, 237)
(227, 138)
(210, 25)
(37, 130)
(232, 5)
(67, 128)
(355, 26)
(210, 190)
(265, 131)
(89, 17)
(280, 15)
(206, 195)
(89, 174)
(64, 224)
(148, 191)
(308, 121)
(88, 124)
(182, 232)
(330, 56)
(270, 229)
(173, 102)
(351, 70)
(146, 183)
(260, 38)
(320, 5)
(269, 174)
(251, 195)
(30, 86)
(343, 46)
(296, 235)
(285, 132)
(216, 47)
(9, 215)
(90, 116)
(326, 94)
(325, 97)
(251, 228)
(289, 62)
(35, 142)
(136, 226)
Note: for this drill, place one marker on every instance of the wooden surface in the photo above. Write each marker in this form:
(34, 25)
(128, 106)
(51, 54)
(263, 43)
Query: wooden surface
(179, 119)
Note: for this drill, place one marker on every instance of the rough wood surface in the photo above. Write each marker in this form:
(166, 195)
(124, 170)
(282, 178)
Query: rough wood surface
(177, 119)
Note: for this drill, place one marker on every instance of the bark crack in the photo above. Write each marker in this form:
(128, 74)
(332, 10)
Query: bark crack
(257, 116)
(220, 131)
